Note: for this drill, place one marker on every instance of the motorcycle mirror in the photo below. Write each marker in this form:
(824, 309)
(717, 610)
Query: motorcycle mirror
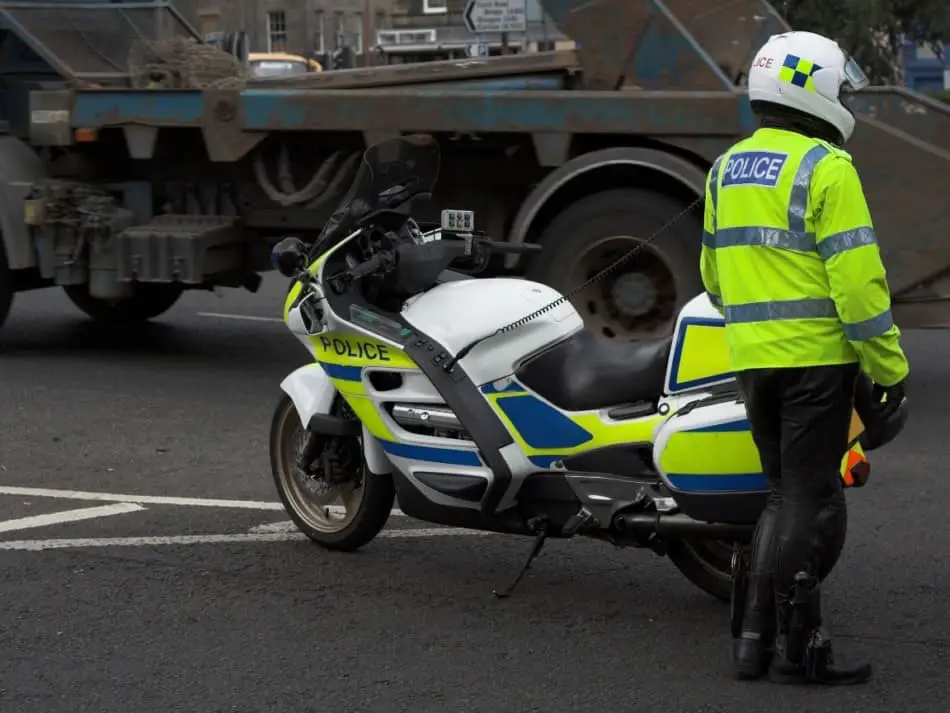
(289, 256)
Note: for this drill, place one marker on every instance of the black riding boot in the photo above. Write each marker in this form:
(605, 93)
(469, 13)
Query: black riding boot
(752, 649)
(754, 601)
(803, 646)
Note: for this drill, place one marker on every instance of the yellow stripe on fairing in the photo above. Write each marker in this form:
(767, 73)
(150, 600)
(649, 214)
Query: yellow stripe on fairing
(710, 453)
(366, 412)
(604, 433)
(704, 354)
(358, 351)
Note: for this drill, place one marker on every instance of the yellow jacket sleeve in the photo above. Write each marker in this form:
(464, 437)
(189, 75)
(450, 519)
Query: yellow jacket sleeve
(707, 263)
(848, 246)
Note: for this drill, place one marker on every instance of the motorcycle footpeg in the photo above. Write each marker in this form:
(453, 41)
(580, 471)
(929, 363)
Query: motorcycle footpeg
(578, 521)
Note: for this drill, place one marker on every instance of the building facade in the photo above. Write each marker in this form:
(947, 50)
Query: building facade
(435, 29)
(924, 69)
(305, 28)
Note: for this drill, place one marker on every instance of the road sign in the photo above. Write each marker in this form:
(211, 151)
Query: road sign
(484, 16)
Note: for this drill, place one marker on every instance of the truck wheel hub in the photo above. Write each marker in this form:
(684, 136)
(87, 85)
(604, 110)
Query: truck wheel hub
(634, 294)
(636, 300)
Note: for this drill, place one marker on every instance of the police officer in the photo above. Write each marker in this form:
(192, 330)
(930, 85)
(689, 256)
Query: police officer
(790, 258)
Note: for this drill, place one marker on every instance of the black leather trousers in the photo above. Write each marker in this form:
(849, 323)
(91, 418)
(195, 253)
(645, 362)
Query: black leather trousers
(800, 418)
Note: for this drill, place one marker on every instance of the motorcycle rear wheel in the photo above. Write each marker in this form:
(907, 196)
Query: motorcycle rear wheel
(366, 506)
(705, 563)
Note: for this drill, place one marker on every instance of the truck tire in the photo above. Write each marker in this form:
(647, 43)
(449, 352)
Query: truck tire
(6, 287)
(641, 298)
(147, 301)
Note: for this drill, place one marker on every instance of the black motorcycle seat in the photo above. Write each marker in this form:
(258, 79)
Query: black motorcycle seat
(586, 372)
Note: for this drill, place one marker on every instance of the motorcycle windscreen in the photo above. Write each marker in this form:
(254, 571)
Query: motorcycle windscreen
(390, 174)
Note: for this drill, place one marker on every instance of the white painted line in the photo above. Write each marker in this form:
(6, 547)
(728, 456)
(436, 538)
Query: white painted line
(60, 518)
(240, 317)
(155, 499)
(284, 526)
(61, 544)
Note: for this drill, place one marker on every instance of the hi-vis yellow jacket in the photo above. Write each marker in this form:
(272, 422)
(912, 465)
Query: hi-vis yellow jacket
(790, 258)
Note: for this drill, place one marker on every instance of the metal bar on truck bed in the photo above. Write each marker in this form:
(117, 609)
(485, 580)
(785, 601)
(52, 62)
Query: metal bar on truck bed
(564, 61)
(624, 112)
(657, 113)
(107, 107)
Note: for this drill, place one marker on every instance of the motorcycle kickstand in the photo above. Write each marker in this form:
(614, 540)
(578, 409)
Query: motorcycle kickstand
(540, 527)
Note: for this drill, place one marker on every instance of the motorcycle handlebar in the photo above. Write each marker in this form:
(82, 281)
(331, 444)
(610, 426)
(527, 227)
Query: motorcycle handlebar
(365, 269)
(512, 248)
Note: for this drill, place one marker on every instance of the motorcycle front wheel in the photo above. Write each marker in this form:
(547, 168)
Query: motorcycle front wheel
(337, 517)
(705, 563)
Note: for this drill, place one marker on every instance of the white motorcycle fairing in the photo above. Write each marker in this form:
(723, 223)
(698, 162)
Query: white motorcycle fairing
(312, 393)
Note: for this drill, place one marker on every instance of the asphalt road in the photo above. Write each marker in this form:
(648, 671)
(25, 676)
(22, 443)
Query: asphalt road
(255, 621)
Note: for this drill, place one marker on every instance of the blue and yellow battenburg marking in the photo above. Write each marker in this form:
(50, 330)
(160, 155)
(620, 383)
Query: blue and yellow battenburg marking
(700, 356)
(799, 72)
(343, 358)
(546, 434)
(720, 458)
(730, 461)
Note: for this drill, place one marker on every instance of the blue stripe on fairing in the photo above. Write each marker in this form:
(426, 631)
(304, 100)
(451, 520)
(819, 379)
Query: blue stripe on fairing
(734, 483)
(338, 371)
(431, 454)
(730, 427)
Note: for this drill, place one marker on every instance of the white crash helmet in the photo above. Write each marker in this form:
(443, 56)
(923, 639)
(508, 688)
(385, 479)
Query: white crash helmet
(805, 71)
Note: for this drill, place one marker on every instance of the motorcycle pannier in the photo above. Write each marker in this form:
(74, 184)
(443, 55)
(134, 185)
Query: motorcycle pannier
(707, 447)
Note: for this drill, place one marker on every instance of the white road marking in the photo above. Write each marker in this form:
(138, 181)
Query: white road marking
(240, 317)
(60, 518)
(61, 544)
(283, 526)
(156, 499)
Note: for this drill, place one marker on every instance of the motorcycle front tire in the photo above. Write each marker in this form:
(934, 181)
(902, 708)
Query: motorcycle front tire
(375, 501)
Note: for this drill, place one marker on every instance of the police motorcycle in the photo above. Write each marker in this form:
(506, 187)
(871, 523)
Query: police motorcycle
(484, 403)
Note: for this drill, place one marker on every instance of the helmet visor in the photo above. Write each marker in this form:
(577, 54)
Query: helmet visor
(854, 76)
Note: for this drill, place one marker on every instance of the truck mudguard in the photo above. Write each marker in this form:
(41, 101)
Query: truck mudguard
(689, 175)
(20, 166)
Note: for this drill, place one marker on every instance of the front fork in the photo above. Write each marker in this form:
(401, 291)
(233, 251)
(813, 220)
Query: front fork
(313, 393)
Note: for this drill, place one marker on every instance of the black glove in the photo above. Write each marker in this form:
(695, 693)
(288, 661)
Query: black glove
(888, 398)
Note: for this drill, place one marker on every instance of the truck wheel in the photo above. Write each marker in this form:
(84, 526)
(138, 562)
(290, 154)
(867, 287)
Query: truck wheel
(6, 287)
(705, 563)
(147, 301)
(641, 298)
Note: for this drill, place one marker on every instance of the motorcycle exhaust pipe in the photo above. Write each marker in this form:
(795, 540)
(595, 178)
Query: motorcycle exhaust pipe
(678, 526)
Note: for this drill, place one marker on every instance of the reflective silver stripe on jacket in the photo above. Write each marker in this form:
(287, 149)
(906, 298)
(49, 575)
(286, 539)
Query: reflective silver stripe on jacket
(813, 308)
(847, 240)
(783, 309)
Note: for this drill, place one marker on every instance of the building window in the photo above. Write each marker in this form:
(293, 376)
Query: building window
(435, 7)
(380, 21)
(356, 33)
(318, 42)
(339, 30)
(276, 31)
(209, 22)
